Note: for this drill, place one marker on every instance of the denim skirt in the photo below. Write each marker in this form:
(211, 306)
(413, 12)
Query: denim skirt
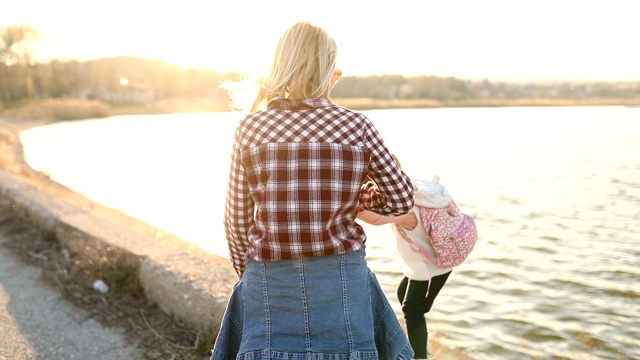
(319, 308)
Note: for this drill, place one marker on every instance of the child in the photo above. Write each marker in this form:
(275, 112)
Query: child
(422, 280)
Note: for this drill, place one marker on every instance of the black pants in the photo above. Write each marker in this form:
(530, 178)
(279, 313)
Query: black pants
(411, 294)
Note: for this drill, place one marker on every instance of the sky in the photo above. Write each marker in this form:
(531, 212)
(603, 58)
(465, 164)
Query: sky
(517, 40)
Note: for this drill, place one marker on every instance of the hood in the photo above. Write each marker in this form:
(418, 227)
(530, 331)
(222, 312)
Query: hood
(431, 193)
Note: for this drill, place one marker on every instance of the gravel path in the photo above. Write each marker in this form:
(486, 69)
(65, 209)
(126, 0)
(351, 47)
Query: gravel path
(36, 322)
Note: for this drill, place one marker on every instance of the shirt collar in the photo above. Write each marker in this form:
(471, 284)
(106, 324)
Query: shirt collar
(281, 103)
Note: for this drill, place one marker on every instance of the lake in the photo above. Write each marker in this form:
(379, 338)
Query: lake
(555, 192)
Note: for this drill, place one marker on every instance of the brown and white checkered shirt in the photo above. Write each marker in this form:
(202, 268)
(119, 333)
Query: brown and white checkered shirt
(296, 182)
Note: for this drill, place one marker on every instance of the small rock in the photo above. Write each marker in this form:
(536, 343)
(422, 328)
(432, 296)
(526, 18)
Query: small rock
(101, 286)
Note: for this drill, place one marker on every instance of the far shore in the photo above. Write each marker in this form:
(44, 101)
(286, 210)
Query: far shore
(366, 103)
(51, 110)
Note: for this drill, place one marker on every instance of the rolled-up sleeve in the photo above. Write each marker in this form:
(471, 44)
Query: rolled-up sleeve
(389, 191)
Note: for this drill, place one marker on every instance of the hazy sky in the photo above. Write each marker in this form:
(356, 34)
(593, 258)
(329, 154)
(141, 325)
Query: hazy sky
(494, 39)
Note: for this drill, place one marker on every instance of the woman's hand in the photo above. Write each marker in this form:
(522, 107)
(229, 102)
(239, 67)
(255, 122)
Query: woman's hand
(407, 221)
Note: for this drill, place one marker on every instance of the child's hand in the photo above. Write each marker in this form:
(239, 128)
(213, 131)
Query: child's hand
(407, 221)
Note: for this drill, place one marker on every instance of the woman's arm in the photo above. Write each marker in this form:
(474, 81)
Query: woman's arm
(389, 190)
(372, 218)
(408, 220)
(239, 208)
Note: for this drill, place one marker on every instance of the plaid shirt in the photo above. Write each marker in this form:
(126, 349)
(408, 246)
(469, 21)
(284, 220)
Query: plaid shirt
(296, 182)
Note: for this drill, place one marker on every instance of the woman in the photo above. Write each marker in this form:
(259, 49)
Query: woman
(297, 165)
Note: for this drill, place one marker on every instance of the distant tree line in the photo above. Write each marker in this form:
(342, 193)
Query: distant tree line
(131, 80)
(453, 89)
(118, 80)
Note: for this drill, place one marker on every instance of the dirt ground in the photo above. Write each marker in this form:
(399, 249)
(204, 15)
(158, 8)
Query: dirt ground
(124, 306)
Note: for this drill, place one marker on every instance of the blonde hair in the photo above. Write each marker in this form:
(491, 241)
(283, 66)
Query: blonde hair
(303, 68)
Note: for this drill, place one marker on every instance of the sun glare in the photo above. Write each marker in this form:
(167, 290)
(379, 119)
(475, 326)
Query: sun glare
(124, 81)
(416, 38)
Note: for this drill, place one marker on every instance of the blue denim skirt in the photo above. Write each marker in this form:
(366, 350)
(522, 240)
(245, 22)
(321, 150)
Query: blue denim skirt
(320, 308)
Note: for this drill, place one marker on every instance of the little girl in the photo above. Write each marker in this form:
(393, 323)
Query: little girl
(422, 280)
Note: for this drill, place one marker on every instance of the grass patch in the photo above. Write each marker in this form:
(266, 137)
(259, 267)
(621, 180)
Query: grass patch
(123, 279)
(157, 334)
(52, 110)
(60, 109)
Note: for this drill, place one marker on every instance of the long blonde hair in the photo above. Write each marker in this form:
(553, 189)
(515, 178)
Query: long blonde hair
(303, 67)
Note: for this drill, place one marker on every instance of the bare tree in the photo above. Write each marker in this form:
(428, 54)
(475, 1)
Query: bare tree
(17, 80)
(16, 44)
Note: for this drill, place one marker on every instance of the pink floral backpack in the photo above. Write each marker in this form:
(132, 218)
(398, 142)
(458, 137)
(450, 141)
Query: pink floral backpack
(453, 234)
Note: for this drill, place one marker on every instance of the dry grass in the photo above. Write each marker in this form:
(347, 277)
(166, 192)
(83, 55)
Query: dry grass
(188, 105)
(124, 306)
(73, 109)
(367, 103)
(60, 109)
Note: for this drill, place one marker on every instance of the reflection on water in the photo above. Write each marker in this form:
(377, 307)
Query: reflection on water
(555, 193)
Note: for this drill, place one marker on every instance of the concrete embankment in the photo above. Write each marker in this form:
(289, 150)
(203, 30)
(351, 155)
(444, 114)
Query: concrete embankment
(184, 281)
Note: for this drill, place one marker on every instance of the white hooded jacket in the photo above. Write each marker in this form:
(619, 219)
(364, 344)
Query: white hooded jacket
(427, 194)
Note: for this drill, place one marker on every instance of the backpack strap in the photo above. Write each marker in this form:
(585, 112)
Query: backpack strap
(425, 257)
